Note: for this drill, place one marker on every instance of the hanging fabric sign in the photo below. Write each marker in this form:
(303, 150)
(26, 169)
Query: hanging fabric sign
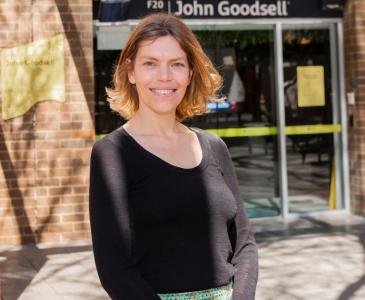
(32, 73)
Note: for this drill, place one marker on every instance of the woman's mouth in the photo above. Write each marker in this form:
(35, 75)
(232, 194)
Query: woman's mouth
(163, 92)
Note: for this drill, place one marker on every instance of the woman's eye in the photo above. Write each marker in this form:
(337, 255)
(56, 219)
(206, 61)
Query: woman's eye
(178, 65)
(148, 63)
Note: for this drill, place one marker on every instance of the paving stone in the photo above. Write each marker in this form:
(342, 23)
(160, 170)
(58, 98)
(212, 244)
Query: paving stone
(320, 258)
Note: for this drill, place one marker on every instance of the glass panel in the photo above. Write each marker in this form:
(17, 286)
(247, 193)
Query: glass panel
(246, 119)
(308, 107)
(106, 120)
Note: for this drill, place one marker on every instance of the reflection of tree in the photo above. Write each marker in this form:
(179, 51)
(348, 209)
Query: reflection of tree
(106, 120)
(305, 36)
(238, 39)
(254, 65)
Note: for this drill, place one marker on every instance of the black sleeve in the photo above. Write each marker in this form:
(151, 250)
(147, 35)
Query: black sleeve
(245, 257)
(111, 226)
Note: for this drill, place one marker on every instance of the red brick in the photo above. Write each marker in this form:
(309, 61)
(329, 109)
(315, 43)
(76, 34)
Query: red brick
(49, 219)
(49, 237)
(69, 236)
(60, 191)
(82, 227)
(73, 218)
(81, 190)
(59, 228)
(10, 240)
(72, 199)
(73, 180)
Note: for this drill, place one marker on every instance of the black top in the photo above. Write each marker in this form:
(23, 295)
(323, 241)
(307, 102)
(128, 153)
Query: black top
(159, 228)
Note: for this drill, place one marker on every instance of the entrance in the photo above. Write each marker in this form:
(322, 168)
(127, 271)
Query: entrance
(307, 176)
(247, 122)
(312, 126)
(283, 118)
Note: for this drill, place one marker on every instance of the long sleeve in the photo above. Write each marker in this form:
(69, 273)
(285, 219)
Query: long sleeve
(245, 257)
(111, 225)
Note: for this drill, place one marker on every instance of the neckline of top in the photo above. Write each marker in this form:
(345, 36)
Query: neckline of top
(203, 145)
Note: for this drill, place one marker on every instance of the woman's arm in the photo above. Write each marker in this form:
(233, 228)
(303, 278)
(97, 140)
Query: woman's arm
(245, 258)
(110, 225)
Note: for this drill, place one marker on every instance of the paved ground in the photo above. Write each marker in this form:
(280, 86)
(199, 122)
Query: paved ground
(307, 259)
(312, 259)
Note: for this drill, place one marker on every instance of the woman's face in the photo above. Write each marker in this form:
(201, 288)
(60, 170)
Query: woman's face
(161, 74)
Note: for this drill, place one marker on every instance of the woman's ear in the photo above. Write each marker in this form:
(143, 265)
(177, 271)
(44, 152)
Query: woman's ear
(130, 72)
(131, 77)
(190, 75)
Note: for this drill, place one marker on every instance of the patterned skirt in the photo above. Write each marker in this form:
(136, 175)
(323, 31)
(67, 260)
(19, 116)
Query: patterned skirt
(220, 293)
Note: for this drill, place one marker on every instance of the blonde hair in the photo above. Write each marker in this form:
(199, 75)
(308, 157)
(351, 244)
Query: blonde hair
(205, 81)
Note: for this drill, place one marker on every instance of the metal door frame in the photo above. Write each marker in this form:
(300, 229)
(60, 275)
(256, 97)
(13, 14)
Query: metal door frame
(339, 112)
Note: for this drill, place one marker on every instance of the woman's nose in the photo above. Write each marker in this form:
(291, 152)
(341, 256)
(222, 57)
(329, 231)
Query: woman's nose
(165, 73)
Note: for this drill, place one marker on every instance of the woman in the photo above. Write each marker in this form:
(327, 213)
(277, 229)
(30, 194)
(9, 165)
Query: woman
(166, 216)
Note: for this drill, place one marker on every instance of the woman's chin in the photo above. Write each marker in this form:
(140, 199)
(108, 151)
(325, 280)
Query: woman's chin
(163, 110)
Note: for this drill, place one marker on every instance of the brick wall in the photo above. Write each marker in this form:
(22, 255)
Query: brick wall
(45, 153)
(354, 27)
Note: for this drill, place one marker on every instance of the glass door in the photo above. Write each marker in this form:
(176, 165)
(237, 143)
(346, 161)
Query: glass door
(312, 126)
(244, 55)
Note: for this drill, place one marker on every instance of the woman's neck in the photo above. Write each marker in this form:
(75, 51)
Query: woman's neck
(153, 124)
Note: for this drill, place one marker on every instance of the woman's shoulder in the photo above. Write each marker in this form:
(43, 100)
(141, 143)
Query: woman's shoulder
(213, 139)
(114, 139)
(216, 144)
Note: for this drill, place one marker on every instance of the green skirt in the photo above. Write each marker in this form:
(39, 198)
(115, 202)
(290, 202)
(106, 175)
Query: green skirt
(220, 293)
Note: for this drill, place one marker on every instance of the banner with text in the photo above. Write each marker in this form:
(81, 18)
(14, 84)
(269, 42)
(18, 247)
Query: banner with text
(32, 73)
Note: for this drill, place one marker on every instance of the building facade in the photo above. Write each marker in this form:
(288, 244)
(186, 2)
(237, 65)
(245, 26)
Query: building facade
(354, 44)
(45, 152)
(295, 90)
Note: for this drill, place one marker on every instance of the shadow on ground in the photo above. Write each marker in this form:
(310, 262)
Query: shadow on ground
(304, 259)
(351, 290)
(29, 267)
(316, 257)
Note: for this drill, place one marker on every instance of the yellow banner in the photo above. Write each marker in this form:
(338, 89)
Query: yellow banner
(310, 86)
(265, 131)
(312, 129)
(32, 73)
(245, 131)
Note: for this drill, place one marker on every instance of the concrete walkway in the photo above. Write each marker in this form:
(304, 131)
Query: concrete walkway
(307, 259)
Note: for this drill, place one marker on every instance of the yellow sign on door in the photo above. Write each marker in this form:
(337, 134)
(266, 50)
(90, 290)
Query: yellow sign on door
(32, 73)
(310, 86)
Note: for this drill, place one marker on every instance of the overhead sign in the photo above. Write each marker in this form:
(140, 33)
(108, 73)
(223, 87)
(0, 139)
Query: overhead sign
(232, 8)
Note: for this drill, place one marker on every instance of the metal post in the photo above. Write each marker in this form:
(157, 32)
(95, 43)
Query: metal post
(279, 80)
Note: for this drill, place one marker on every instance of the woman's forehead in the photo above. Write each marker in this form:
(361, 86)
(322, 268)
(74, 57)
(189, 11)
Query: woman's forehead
(166, 46)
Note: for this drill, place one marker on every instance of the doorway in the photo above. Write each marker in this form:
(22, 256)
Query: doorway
(312, 120)
(311, 178)
(246, 121)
